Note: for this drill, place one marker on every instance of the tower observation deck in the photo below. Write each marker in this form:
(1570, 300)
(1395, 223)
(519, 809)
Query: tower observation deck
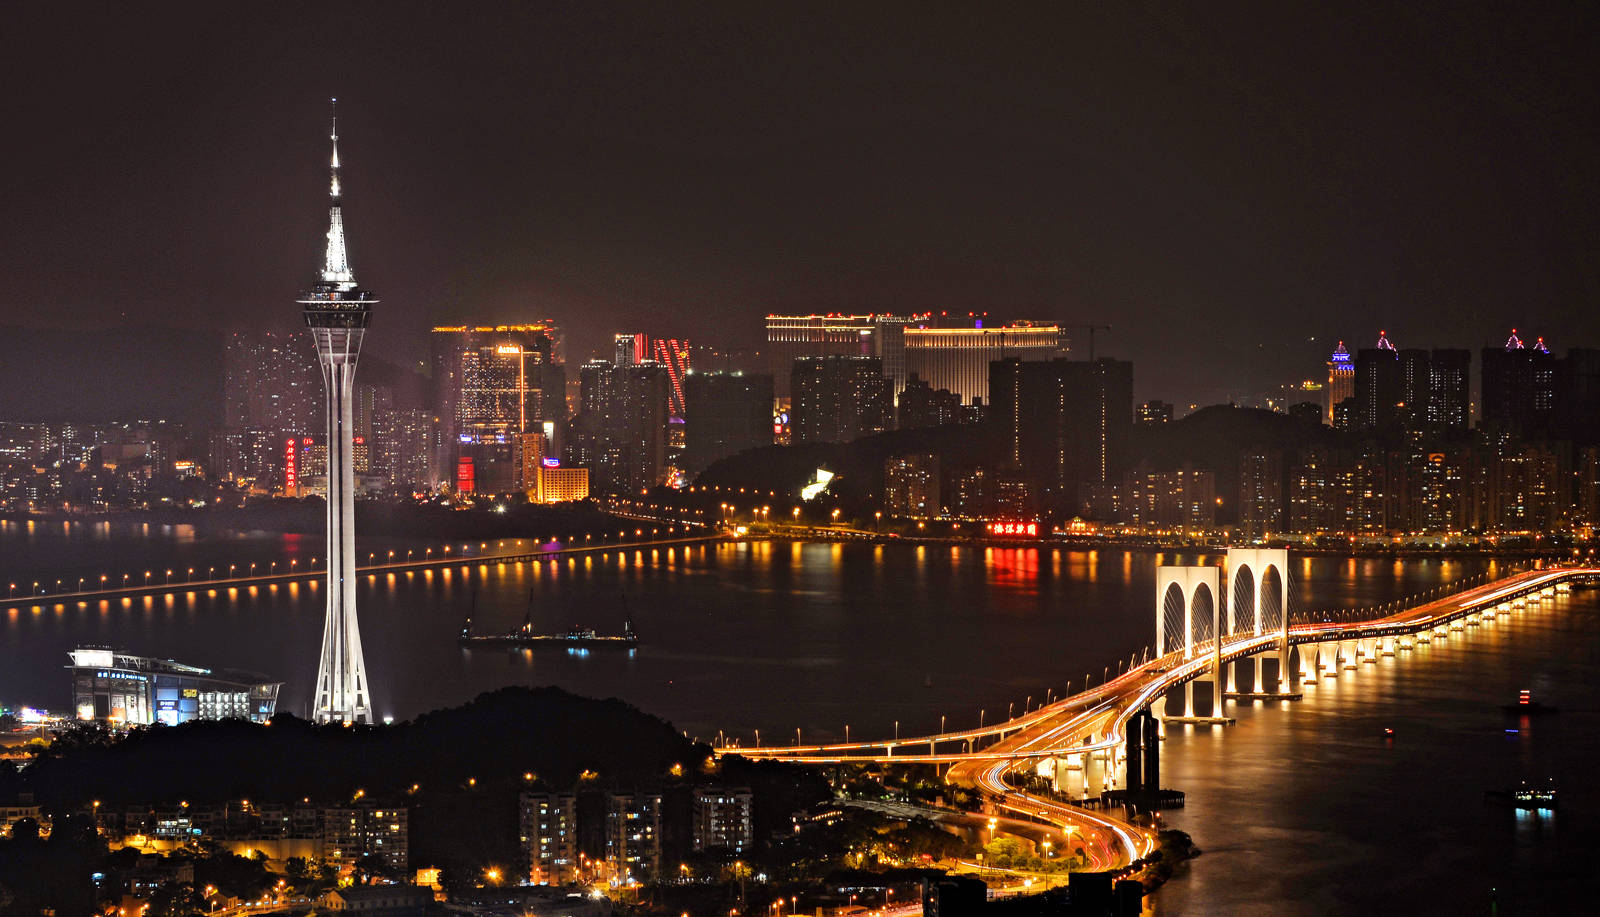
(337, 311)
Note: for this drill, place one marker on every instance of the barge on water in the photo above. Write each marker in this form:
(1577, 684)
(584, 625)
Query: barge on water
(578, 638)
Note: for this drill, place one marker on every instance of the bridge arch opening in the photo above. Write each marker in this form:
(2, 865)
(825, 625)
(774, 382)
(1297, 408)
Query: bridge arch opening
(1202, 609)
(1172, 620)
(1272, 593)
(1242, 607)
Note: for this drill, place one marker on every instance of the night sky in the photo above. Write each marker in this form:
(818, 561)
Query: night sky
(1232, 187)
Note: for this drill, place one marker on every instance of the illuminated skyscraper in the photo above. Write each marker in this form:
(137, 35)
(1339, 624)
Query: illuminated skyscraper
(337, 311)
(1341, 378)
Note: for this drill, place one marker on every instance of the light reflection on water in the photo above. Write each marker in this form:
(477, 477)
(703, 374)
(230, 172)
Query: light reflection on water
(1306, 808)
(1301, 809)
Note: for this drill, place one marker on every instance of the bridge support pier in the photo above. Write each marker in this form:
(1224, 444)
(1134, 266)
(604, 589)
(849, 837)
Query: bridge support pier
(1369, 651)
(1285, 677)
(1309, 670)
(1094, 773)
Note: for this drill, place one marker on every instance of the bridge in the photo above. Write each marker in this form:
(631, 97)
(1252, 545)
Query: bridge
(245, 575)
(1106, 739)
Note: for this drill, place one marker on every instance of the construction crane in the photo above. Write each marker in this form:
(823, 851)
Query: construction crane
(1091, 329)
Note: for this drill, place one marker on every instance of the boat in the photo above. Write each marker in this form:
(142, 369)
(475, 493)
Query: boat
(1534, 798)
(1527, 706)
(577, 638)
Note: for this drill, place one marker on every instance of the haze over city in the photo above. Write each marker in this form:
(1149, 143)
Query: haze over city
(1234, 189)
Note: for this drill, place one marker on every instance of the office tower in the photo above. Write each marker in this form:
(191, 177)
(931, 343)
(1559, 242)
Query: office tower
(1519, 385)
(920, 405)
(1379, 385)
(1449, 389)
(837, 399)
(957, 357)
(270, 383)
(1064, 423)
(725, 413)
(620, 431)
(1153, 413)
(1341, 379)
(911, 487)
(337, 311)
(790, 337)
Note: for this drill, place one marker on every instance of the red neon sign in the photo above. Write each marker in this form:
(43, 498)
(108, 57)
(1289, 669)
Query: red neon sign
(1014, 529)
(466, 478)
(291, 477)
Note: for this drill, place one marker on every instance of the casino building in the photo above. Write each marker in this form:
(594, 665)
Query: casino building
(127, 690)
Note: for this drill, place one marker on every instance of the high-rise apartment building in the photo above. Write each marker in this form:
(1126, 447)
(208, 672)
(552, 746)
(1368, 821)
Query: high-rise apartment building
(921, 405)
(633, 836)
(911, 487)
(620, 431)
(1519, 388)
(548, 827)
(1379, 385)
(836, 399)
(725, 413)
(722, 819)
(1261, 491)
(1449, 405)
(271, 382)
(957, 358)
(352, 833)
(1064, 423)
(404, 446)
(1577, 403)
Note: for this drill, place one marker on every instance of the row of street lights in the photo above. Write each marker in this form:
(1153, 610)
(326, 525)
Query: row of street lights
(40, 587)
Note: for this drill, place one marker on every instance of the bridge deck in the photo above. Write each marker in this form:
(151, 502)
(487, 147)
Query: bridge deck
(1093, 720)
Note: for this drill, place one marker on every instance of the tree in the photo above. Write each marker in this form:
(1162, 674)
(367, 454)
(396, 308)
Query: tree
(175, 899)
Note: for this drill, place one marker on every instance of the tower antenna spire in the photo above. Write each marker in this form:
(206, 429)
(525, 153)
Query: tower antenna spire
(333, 108)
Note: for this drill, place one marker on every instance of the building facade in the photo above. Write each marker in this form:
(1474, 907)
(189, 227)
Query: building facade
(1064, 424)
(957, 358)
(726, 413)
(548, 825)
(124, 690)
(836, 399)
(722, 819)
(911, 487)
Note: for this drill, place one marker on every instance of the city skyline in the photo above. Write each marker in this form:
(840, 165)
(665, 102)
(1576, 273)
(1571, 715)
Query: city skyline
(721, 189)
